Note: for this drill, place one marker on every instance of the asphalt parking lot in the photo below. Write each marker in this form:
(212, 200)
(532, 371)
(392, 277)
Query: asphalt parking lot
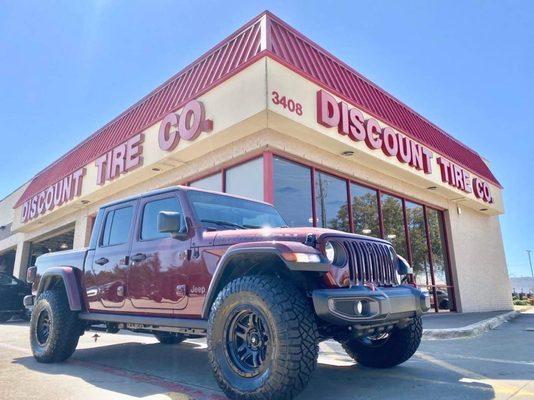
(496, 365)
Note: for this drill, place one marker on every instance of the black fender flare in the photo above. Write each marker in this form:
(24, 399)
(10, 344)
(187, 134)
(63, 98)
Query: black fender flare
(262, 248)
(68, 276)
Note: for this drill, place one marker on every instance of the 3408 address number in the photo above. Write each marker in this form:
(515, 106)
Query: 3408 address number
(287, 103)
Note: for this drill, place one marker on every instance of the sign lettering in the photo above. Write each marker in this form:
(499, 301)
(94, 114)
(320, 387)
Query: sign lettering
(123, 158)
(53, 196)
(187, 125)
(351, 122)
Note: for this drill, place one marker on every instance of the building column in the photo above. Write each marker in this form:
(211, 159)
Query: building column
(477, 252)
(82, 231)
(22, 258)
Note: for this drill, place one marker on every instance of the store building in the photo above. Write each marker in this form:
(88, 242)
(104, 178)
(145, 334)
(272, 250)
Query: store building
(270, 115)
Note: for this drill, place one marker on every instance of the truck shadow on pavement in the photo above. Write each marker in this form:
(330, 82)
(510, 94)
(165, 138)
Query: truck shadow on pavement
(143, 369)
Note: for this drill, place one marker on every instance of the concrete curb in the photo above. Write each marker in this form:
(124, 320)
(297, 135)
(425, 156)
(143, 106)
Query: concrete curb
(470, 330)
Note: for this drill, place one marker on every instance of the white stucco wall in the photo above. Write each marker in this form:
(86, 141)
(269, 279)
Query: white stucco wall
(478, 257)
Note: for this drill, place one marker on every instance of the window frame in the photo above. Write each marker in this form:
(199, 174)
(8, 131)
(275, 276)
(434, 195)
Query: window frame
(107, 212)
(311, 171)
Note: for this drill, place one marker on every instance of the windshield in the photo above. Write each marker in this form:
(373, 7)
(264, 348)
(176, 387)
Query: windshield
(220, 212)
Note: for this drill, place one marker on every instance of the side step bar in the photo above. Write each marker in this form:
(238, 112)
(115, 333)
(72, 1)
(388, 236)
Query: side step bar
(183, 323)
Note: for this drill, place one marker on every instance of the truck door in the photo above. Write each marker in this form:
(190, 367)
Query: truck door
(158, 271)
(110, 261)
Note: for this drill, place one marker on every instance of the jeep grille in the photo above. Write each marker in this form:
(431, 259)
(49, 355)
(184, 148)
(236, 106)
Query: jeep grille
(370, 262)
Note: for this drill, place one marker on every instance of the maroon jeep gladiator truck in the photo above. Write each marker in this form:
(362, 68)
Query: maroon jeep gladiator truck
(182, 263)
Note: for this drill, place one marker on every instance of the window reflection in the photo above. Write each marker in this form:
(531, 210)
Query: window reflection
(415, 218)
(437, 239)
(151, 210)
(394, 223)
(212, 182)
(292, 192)
(331, 202)
(364, 205)
(440, 263)
(246, 179)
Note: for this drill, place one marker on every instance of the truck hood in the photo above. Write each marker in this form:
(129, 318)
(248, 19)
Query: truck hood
(73, 258)
(234, 236)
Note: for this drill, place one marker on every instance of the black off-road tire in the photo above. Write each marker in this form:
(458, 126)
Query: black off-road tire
(398, 347)
(169, 337)
(291, 342)
(64, 327)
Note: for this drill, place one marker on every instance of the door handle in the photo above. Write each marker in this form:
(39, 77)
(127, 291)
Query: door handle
(102, 261)
(138, 257)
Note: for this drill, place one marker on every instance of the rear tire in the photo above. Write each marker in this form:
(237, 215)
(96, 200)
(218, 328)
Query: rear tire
(398, 347)
(262, 339)
(169, 337)
(54, 328)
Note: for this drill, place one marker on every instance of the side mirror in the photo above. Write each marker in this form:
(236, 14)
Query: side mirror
(403, 267)
(170, 222)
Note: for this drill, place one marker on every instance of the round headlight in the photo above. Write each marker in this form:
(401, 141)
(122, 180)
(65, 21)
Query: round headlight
(330, 252)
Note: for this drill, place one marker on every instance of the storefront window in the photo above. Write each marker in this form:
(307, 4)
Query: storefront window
(364, 203)
(415, 218)
(331, 202)
(212, 182)
(246, 179)
(292, 192)
(440, 263)
(393, 218)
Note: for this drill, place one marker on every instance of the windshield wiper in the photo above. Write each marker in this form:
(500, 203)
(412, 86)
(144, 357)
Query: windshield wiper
(223, 223)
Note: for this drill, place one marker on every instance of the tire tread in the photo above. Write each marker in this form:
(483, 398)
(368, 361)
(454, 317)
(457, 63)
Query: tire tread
(297, 355)
(402, 345)
(64, 335)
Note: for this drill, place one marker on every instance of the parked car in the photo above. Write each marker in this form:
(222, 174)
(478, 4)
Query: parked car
(12, 292)
(182, 262)
(443, 299)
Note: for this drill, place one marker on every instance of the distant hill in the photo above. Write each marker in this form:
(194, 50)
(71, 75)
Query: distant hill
(522, 284)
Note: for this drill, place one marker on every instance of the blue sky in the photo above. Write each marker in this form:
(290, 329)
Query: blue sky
(68, 67)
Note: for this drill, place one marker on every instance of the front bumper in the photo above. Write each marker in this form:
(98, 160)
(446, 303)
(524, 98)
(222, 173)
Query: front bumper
(361, 305)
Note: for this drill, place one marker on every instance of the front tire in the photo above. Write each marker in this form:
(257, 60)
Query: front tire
(54, 328)
(386, 352)
(262, 339)
(169, 337)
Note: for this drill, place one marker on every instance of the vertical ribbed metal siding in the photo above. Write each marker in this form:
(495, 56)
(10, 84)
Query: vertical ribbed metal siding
(204, 73)
(295, 49)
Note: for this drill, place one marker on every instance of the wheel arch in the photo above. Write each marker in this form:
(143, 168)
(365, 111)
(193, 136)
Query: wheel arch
(259, 259)
(65, 277)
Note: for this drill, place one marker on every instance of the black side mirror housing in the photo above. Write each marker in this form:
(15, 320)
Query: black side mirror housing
(171, 222)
